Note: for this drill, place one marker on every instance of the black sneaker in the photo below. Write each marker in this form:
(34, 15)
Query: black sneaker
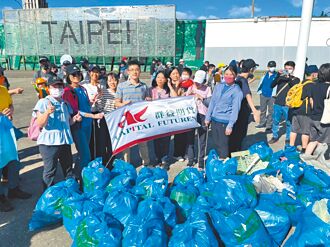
(17, 193)
(273, 140)
(268, 129)
(5, 205)
(260, 126)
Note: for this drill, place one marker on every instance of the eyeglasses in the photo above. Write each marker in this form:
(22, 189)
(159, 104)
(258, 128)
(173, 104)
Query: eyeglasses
(76, 74)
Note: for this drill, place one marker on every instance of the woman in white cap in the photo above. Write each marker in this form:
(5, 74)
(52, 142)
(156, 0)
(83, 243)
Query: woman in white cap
(201, 92)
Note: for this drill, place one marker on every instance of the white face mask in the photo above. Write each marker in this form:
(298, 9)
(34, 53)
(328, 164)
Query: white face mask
(290, 71)
(185, 77)
(56, 92)
(272, 69)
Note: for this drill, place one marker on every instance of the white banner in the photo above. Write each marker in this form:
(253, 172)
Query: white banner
(148, 120)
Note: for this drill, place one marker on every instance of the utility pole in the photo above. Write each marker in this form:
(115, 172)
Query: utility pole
(305, 25)
(252, 9)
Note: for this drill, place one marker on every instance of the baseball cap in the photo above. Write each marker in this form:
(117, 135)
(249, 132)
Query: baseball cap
(94, 67)
(200, 76)
(221, 65)
(43, 59)
(271, 64)
(66, 59)
(168, 63)
(52, 80)
(249, 64)
(71, 69)
(41, 80)
(84, 60)
(181, 60)
(311, 69)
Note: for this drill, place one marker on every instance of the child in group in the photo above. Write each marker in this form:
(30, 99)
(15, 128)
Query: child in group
(41, 87)
(186, 80)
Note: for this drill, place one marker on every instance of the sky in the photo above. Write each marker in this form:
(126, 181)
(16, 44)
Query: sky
(199, 9)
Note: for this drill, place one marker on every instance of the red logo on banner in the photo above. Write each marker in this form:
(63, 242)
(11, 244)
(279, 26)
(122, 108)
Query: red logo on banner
(132, 118)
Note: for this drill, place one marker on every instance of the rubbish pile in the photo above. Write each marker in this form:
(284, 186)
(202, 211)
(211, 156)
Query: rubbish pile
(232, 204)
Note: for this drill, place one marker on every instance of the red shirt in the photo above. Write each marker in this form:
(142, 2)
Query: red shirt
(70, 96)
(187, 83)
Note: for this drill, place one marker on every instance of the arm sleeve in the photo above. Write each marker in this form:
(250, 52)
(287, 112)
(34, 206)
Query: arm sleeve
(41, 107)
(276, 81)
(212, 104)
(237, 100)
(245, 88)
(119, 93)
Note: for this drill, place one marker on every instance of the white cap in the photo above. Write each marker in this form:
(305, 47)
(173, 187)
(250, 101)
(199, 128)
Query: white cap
(66, 57)
(200, 76)
(168, 63)
(181, 60)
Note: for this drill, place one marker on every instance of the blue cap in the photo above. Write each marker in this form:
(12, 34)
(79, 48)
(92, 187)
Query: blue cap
(311, 69)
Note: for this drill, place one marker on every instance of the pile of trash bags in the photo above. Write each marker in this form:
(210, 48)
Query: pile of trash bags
(257, 204)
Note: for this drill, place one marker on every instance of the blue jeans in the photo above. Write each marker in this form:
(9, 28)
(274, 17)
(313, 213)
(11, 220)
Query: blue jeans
(13, 176)
(81, 137)
(279, 112)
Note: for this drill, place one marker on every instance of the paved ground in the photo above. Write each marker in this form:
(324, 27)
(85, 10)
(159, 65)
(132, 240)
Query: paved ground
(14, 225)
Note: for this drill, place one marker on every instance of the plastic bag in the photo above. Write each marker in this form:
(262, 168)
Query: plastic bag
(314, 226)
(189, 177)
(8, 148)
(196, 231)
(78, 207)
(241, 228)
(153, 181)
(95, 176)
(315, 179)
(231, 193)
(48, 210)
(216, 168)
(121, 182)
(184, 197)
(262, 149)
(98, 230)
(275, 219)
(122, 167)
(122, 205)
(144, 233)
(288, 202)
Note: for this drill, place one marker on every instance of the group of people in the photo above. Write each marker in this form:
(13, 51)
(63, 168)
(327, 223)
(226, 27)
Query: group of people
(72, 103)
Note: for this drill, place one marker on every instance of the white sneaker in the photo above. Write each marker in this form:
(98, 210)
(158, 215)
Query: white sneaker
(180, 158)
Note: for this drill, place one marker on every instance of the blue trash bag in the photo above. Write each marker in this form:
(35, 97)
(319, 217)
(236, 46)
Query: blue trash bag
(216, 168)
(98, 230)
(8, 148)
(153, 181)
(169, 211)
(313, 229)
(314, 179)
(196, 231)
(95, 176)
(49, 207)
(189, 177)
(122, 205)
(184, 198)
(122, 167)
(262, 149)
(120, 182)
(289, 202)
(242, 228)
(275, 219)
(144, 233)
(231, 193)
(78, 207)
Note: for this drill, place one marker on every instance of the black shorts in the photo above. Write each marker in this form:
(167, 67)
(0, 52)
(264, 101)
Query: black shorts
(301, 124)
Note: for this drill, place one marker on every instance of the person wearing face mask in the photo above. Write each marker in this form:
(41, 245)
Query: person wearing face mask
(186, 81)
(77, 98)
(223, 111)
(283, 82)
(54, 118)
(266, 93)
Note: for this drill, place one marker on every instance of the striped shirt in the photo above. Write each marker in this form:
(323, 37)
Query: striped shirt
(107, 103)
(134, 93)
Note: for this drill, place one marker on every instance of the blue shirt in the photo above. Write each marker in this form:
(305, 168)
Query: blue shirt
(83, 105)
(266, 89)
(135, 93)
(57, 130)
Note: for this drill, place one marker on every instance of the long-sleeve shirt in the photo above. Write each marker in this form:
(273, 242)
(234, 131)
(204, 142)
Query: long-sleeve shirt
(281, 82)
(225, 104)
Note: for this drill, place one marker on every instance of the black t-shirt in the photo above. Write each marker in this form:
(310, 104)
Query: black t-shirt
(244, 85)
(281, 82)
(306, 108)
(318, 93)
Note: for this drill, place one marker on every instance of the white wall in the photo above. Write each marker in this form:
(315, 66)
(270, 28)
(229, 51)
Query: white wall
(273, 39)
